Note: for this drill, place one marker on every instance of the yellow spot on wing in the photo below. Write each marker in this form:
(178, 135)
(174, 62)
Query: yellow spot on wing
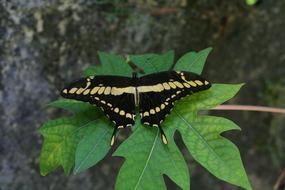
(206, 82)
(107, 90)
(178, 84)
(162, 106)
(65, 91)
(152, 111)
(116, 110)
(172, 85)
(80, 90)
(192, 83)
(128, 115)
(166, 86)
(198, 82)
(157, 109)
(86, 91)
(94, 90)
(101, 90)
(71, 91)
(146, 113)
(186, 85)
(122, 112)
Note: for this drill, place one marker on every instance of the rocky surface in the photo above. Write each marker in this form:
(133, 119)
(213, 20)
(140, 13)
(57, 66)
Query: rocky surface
(44, 44)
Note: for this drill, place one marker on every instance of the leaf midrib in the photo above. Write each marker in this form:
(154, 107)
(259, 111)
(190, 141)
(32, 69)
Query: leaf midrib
(148, 159)
(89, 153)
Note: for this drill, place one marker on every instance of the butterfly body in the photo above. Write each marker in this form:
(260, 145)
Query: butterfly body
(153, 95)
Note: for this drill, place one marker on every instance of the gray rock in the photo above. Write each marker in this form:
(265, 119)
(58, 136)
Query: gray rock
(44, 44)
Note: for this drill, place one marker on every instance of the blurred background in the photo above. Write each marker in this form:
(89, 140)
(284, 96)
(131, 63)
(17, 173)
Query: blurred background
(45, 44)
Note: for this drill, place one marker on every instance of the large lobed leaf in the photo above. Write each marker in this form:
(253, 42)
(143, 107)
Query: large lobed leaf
(147, 159)
(200, 134)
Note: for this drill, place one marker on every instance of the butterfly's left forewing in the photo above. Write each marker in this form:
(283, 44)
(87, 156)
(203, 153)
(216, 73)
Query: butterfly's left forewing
(113, 94)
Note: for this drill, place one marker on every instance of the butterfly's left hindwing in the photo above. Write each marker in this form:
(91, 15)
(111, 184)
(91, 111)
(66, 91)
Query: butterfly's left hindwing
(113, 94)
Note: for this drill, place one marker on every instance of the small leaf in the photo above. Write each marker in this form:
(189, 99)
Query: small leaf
(147, 158)
(74, 106)
(193, 61)
(152, 63)
(61, 137)
(93, 147)
(110, 65)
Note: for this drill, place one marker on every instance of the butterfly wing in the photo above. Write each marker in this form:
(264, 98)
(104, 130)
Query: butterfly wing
(158, 93)
(113, 94)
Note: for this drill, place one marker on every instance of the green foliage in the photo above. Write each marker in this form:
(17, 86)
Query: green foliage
(151, 62)
(110, 65)
(251, 2)
(193, 61)
(82, 140)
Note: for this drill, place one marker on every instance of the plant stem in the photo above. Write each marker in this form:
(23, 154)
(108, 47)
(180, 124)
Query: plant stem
(250, 108)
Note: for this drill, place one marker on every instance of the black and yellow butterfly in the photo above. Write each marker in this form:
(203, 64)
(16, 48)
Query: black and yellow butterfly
(154, 96)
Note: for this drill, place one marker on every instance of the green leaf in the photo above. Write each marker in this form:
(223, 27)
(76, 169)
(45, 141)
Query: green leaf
(251, 2)
(152, 63)
(61, 137)
(201, 134)
(74, 106)
(193, 61)
(110, 65)
(93, 147)
(147, 158)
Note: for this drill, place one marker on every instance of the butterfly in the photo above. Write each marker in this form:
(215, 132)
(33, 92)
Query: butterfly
(152, 95)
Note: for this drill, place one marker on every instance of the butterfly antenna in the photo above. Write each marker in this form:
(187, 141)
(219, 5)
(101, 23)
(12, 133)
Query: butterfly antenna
(163, 136)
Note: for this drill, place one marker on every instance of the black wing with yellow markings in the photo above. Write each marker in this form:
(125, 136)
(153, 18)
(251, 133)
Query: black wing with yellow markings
(113, 94)
(153, 94)
(158, 93)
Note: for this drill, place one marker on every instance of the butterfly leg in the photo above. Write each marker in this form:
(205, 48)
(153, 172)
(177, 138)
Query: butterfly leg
(163, 136)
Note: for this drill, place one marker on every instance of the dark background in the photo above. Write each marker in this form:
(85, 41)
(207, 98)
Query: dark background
(45, 44)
